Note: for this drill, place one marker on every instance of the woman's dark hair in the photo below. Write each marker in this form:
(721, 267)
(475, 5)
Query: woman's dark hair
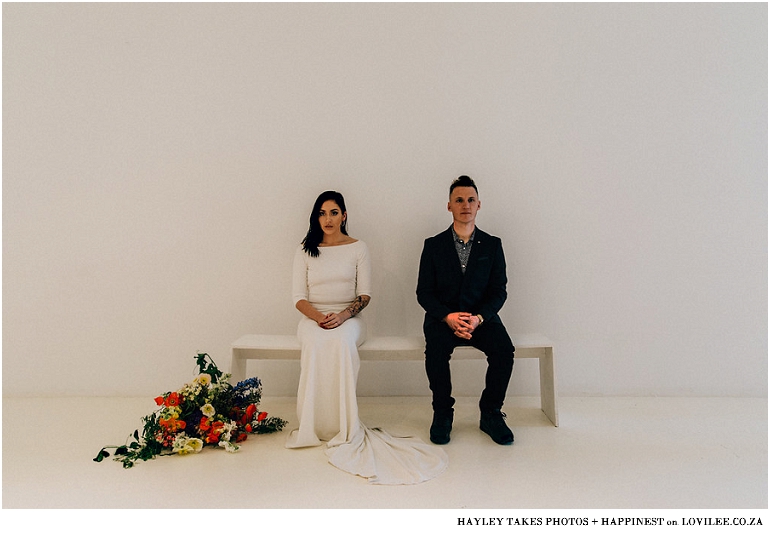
(315, 234)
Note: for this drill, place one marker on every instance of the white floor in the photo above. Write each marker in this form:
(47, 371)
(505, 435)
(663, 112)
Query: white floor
(607, 453)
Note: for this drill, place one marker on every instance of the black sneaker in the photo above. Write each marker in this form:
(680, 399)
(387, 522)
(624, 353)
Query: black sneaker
(441, 427)
(493, 424)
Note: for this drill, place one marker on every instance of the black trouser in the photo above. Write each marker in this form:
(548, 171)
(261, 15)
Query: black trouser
(490, 338)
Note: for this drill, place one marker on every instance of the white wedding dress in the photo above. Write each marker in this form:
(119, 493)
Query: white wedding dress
(326, 400)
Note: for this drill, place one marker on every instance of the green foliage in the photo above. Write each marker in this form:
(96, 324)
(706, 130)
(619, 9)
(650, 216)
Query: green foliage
(207, 366)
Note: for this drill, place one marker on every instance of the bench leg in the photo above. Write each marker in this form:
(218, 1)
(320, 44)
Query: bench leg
(237, 367)
(548, 386)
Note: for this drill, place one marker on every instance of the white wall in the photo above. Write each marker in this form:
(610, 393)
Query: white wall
(160, 162)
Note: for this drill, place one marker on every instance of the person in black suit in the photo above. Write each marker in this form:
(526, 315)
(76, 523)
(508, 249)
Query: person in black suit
(462, 286)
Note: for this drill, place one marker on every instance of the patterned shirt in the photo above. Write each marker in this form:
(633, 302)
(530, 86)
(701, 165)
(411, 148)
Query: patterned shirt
(463, 249)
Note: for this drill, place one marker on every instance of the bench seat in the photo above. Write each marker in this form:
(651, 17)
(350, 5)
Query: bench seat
(395, 348)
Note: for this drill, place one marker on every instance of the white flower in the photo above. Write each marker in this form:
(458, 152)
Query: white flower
(203, 379)
(216, 388)
(184, 445)
(227, 430)
(208, 410)
(229, 447)
(192, 389)
(180, 442)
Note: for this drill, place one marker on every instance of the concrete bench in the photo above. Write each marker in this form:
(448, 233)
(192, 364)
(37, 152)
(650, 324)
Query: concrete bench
(394, 348)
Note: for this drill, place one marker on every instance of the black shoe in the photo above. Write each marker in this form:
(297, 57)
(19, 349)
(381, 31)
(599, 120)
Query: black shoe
(493, 424)
(441, 427)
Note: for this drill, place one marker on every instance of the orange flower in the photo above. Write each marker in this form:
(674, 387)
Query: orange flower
(172, 424)
(217, 426)
(204, 425)
(173, 399)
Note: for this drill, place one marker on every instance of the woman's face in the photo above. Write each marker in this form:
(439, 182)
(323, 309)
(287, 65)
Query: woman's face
(331, 217)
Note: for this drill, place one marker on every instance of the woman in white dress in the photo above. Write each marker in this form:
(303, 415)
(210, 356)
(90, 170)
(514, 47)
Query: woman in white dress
(331, 285)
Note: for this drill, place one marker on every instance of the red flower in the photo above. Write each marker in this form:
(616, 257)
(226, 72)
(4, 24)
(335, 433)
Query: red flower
(248, 428)
(241, 437)
(173, 399)
(250, 411)
(261, 417)
(213, 429)
(159, 400)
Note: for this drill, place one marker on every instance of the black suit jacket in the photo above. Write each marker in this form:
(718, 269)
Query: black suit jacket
(442, 288)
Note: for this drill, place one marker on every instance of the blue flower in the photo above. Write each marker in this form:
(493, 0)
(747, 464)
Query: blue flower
(249, 383)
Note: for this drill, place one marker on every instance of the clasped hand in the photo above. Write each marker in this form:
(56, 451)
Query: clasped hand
(462, 324)
(333, 320)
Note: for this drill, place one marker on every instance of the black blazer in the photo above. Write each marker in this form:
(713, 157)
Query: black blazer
(442, 288)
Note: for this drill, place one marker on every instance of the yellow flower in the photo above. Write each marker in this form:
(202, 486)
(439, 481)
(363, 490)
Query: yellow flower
(195, 444)
(203, 379)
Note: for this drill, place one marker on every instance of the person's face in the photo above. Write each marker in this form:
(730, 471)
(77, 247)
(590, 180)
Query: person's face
(331, 217)
(464, 203)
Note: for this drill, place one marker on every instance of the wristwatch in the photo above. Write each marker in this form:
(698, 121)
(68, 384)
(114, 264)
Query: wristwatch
(481, 319)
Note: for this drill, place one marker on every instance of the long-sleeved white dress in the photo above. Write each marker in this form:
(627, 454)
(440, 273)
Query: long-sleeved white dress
(326, 400)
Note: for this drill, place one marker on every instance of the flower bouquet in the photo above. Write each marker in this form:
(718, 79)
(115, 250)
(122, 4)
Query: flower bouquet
(205, 412)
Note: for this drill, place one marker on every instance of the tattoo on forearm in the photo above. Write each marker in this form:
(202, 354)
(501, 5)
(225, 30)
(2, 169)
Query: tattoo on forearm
(357, 305)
